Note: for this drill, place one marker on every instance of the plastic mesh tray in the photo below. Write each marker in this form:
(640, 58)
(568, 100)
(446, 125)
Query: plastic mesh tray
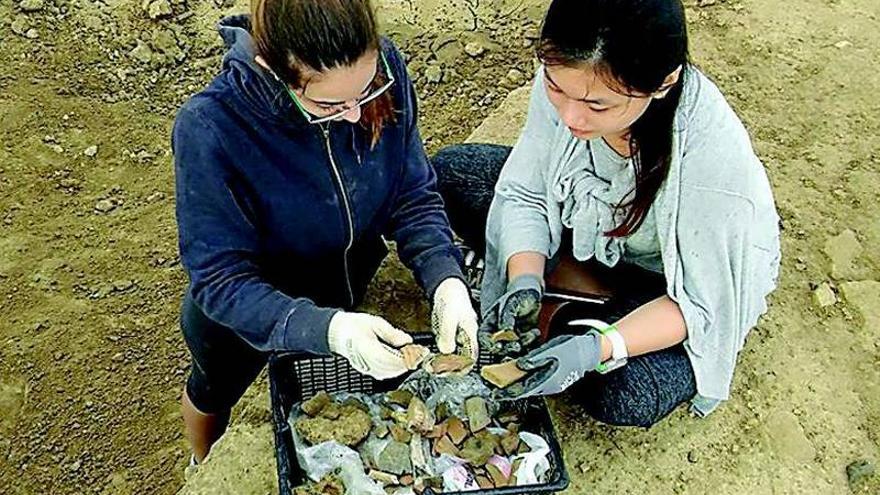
(296, 377)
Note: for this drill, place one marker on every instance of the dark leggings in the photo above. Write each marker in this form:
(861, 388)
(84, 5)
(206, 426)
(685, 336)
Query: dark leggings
(641, 393)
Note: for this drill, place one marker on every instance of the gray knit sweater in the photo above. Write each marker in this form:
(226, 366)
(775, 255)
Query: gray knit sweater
(716, 221)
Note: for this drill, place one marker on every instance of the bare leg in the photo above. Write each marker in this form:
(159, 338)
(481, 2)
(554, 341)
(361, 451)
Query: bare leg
(201, 429)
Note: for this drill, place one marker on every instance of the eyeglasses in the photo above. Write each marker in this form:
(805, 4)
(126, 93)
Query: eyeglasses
(345, 108)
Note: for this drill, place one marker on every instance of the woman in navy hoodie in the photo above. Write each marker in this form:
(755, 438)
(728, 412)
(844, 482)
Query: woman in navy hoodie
(292, 167)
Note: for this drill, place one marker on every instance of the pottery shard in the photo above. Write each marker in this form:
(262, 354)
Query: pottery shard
(502, 375)
(448, 363)
(418, 417)
(400, 434)
(329, 485)
(314, 405)
(349, 428)
(438, 431)
(406, 480)
(383, 478)
(394, 459)
(498, 478)
(477, 413)
(456, 430)
(479, 448)
(413, 355)
(510, 440)
(380, 430)
(504, 336)
(484, 483)
(444, 445)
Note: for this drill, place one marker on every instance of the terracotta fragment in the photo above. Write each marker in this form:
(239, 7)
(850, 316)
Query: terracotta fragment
(413, 355)
(502, 375)
(406, 480)
(484, 483)
(456, 430)
(328, 485)
(438, 431)
(449, 363)
(479, 448)
(383, 478)
(418, 417)
(510, 440)
(504, 336)
(444, 445)
(498, 478)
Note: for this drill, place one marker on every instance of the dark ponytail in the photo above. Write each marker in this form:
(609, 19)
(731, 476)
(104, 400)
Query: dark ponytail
(634, 45)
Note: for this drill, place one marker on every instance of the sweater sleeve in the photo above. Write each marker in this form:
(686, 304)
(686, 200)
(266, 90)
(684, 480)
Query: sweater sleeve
(219, 249)
(418, 222)
(519, 215)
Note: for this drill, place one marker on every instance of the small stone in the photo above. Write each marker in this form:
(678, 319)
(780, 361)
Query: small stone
(824, 296)
(692, 456)
(863, 296)
(477, 413)
(31, 5)
(787, 438)
(385, 479)
(479, 448)
(859, 471)
(843, 250)
(842, 44)
(159, 8)
(406, 480)
(380, 430)
(498, 478)
(510, 440)
(91, 151)
(706, 3)
(474, 49)
(505, 336)
(350, 427)
(75, 466)
(20, 25)
(515, 76)
(142, 52)
(32, 34)
(434, 73)
(105, 206)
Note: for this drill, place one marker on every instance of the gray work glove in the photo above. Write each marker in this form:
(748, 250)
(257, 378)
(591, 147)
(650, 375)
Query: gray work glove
(519, 306)
(558, 364)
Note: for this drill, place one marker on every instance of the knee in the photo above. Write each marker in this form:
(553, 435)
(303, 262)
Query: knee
(621, 409)
(446, 163)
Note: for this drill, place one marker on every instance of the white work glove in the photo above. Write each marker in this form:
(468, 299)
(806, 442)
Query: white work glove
(453, 318)
(363, 339)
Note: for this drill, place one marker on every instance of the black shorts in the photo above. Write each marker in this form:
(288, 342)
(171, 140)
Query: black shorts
(223, 364)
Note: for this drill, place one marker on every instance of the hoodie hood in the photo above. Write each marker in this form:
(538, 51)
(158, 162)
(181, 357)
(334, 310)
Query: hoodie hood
(254, 84)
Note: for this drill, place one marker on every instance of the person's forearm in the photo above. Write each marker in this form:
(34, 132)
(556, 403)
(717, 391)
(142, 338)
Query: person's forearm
(656, 325)
(526, 263)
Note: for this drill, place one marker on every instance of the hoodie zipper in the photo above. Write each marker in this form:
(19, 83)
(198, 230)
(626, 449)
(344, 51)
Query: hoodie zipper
(346, 209)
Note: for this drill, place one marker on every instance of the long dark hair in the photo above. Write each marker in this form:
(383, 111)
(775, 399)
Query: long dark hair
(633, 45)
(320, 35)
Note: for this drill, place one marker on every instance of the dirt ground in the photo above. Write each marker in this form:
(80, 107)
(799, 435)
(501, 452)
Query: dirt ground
(91, 359)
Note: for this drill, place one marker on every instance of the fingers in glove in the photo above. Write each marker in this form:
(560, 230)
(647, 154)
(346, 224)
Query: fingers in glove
(387, 333)
(444, 327)
(383, 362)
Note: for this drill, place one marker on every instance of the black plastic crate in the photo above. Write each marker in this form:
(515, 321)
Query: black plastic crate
(296, 377)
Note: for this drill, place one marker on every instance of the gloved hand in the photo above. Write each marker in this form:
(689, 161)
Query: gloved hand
(559, 363)
(363, 339)
(453, 318)
(519, 306)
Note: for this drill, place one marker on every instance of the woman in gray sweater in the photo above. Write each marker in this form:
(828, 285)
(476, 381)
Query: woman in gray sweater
(630, 160)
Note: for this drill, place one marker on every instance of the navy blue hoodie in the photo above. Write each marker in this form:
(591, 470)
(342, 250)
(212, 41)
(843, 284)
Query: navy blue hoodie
(281, 221)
